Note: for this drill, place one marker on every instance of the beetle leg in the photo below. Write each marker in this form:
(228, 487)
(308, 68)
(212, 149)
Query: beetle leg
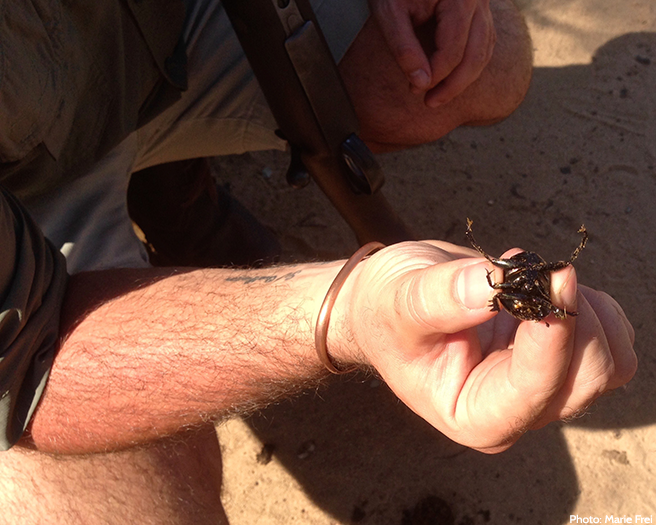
(470, 237)
(498, 286)
(506, 264)
(562, 313)
(495, 305)
(551, 267)
(584, 240)
(489, 281)
(575, 253)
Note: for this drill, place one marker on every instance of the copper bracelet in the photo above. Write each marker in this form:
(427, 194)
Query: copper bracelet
(321, 331)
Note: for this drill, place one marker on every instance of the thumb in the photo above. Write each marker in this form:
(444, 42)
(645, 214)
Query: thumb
(452, 296)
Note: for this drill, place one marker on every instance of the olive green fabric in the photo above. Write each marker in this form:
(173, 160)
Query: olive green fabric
(76, 78)
(32, 283)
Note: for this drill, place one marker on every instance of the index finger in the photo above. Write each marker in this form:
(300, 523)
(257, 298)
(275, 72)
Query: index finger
(542, 352)
(478, 52)
(396, 25)
(454, 19)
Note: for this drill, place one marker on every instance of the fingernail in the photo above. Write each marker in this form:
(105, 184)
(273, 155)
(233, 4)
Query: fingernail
(420, 79)
(433, 102)
(473, 288)
(565, 286)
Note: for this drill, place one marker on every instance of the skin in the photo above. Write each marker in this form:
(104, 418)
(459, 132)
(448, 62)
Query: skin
(469, 88)
(176, 349)
(443, 61)
(480, 378)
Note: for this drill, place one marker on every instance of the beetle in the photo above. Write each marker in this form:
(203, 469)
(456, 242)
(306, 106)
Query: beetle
(525, 291)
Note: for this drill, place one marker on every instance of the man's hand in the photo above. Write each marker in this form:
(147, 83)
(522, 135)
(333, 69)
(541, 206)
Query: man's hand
(459, 46)
(418, 313)
(149, 352)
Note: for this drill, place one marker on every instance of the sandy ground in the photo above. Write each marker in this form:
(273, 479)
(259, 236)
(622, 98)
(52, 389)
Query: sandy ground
(581, 149)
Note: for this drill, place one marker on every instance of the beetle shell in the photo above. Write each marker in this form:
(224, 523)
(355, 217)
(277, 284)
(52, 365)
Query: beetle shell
(525, 291)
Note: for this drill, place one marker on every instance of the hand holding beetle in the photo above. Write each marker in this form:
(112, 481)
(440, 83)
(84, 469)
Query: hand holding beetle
(420, 315)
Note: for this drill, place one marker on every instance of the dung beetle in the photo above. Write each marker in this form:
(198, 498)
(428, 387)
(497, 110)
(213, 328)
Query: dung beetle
(525, 291)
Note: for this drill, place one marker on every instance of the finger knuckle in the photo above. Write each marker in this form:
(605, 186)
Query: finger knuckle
(626, 367)
(481, 57)
(452, 58)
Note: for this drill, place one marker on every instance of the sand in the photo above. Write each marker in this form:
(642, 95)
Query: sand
(581, 149)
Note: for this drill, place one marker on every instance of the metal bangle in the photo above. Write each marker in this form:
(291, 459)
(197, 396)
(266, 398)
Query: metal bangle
(321, 331)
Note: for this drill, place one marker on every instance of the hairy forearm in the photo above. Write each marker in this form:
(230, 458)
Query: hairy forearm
(146, 353)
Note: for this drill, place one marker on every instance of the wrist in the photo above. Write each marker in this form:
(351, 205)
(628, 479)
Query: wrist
(336, 308)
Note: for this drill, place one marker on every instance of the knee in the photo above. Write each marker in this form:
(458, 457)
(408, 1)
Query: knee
(510, 70)
(503, 85)
(391, 117)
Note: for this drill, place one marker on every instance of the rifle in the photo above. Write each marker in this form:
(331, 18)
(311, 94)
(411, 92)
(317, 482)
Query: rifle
(301, 83)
